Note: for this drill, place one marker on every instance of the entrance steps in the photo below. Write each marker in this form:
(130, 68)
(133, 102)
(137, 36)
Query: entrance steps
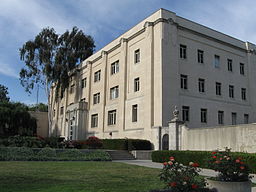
(120, 155)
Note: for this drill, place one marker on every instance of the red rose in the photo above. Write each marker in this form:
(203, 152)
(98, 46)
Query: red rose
(194, 186)
(220, 158)
(237, 161)
(217, 162)
(195, 165)
(173, 184)
(242, 167)
(214, 152)
(214, 157)
(171, 158)
(165, 163)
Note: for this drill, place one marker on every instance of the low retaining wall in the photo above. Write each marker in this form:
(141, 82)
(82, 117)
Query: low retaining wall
(240, 138)
(142, 155)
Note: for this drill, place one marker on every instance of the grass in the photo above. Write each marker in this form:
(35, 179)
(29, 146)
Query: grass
(76, 177)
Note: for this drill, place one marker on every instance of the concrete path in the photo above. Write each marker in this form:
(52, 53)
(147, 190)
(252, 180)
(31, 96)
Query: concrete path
(149, 163)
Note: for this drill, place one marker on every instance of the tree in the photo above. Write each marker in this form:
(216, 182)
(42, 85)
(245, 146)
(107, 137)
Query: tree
(49, 57)
(38, 107)
(3, 94)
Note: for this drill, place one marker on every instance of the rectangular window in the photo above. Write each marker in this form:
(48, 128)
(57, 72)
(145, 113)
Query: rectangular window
(201, 83)
(115, 67)
(97, 76)
(231, 91)
(96, 98)
(185, 113)
(112, 117)
(220, 117)
(203, 115)
(94, 120)
(62, 93)
(241, 68)
(72, 88)
(183, 81)
(54, 112)
(136, 84)
(216, 61)
(183, 51)
(200, 56)
(137, 56)
(61, 110)
(230, 67)
(134, 113)
(243, 93)
(83, 83)
(246, 118)
(218, 88)
(233, 118)
(114, 92)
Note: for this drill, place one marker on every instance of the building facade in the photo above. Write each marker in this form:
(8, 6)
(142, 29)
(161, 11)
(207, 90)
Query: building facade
(130, 87)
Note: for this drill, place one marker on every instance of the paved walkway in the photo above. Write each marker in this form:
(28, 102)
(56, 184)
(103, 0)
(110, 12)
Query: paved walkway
(149, 163)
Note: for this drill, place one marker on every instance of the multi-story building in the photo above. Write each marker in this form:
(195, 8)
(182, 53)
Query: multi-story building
(130, 87)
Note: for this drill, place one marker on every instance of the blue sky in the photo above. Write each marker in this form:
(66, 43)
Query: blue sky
(104, 20)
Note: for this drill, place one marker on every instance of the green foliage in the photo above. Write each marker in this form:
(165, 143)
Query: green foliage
(179, 178)
(16, 120)
(201, 157)
(38, 107)
(4, 93)
(126, 144)
(49, 154)
(50, 57)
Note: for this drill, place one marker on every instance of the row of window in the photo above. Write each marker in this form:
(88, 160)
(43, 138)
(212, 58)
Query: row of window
(114, 91)
(218, 87)
(200, 59)
(220, 116)
(112, 117)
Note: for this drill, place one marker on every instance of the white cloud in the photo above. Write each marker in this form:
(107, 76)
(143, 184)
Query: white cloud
(8, 70)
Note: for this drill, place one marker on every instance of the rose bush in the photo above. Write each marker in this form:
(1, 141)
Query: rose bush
(180, 178)
(229, 168)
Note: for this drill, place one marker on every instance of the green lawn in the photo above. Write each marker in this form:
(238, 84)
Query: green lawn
(76, 177)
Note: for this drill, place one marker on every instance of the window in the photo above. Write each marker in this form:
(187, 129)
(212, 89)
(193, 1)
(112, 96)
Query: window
(54, 112)
(218, 88)
(200, 56)
(136, 84)
(201, 83)
(134, 113)
(115, 67)
(61, 110)
(112, 117)
(183, 51)
(72, 88)
(241, 68)
(114, 92)
(185, 113)
(137, 56)
(231, 91)
(243, 93)
(83, 83)
(216, 61)
(96, 98)
(94, 120)
(221, 117)
(230, 67)
(246, 118)
(183, 81)
(203, 115)
(233, 118)
(97, 76)
(62, 93)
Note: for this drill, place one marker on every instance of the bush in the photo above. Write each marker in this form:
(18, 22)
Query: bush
(47, 152)
(16, 154)
(126, 144)
(201, 157)
(93, 142)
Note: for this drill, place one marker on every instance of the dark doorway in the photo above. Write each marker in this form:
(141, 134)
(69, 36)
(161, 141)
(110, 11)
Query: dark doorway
(165, 142)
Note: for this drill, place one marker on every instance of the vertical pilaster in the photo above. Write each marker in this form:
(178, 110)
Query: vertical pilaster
(104, 55)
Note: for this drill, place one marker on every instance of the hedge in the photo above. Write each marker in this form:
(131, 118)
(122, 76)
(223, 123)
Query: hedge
(200, 157)
(49, 154)
(126, 144)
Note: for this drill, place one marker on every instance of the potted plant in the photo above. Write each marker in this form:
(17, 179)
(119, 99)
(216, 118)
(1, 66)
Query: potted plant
(233, 172)
(180, 178)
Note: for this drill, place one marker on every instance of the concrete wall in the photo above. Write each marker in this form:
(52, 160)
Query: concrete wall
(42, 123)
(240, 138)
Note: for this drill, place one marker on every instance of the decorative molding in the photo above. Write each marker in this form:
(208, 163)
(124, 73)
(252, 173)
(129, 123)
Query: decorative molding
(148, 24)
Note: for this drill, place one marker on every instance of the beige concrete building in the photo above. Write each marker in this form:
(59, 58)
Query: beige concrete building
(129, 88)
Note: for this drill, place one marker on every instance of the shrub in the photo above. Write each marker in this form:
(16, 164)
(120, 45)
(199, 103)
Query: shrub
(97, 155)
(201, 157)
(179, 178)
(16, 154)
(93, 142)
(126, 144)
(47, 152)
